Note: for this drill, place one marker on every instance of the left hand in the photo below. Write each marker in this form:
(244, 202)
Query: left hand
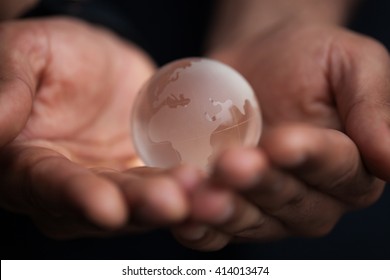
(324, 95)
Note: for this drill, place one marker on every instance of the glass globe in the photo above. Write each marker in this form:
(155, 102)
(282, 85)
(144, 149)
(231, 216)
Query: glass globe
(190, 110)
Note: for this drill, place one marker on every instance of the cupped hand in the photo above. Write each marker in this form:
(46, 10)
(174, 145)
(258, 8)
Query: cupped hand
(324, 94)
(322, 75)
(66, 91)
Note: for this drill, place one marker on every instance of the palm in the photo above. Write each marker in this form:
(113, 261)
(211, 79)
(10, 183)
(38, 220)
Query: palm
(310, 81)
(291, 76)
(82, 105)
(315, 75)
(67, 89)
(326, 76)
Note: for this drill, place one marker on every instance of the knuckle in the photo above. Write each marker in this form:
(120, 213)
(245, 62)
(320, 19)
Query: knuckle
(289, 199)
(252, 232)
(320, 230)
(297, 199)
(368, 198)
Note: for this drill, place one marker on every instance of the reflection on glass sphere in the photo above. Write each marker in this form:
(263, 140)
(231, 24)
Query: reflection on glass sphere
(190, 110)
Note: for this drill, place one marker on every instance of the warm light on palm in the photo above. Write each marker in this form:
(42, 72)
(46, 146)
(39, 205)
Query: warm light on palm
(86, 89)
(68, 89)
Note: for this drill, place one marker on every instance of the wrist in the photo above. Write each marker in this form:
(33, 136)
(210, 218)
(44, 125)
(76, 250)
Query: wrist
(13, 9)
(240, 21)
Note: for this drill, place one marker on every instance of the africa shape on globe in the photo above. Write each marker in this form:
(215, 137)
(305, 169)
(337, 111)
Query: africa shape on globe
(190, 110)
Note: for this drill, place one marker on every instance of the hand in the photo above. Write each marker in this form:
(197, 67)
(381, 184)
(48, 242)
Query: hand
(66, 91)
(322, 75)
(323, 92)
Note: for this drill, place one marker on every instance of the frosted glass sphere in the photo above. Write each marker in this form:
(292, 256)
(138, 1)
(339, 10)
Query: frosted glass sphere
(190, 110)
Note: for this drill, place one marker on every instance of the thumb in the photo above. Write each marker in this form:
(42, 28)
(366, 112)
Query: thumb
(23, 55)
(360, 80)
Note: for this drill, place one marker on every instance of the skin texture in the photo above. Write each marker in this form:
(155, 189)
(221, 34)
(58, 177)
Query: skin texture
(324, 97)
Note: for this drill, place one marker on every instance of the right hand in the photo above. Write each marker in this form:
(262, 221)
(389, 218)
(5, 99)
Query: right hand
(324, 93)
(66, 156)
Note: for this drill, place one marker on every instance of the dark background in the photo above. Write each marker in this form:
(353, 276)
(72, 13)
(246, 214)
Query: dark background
(168, 30)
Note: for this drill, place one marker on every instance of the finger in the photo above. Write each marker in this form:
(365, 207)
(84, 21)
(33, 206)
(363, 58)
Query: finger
(154, 198)
(322, 158)
(239, 168)
(302, 210)
(187, 176)
(359, 73)
(290, 207)
(141, 200)
(234, 215)
(68, 227)
(200, 237)
(42, 181)
(23, 54)
(245, 223)
(288, 204)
